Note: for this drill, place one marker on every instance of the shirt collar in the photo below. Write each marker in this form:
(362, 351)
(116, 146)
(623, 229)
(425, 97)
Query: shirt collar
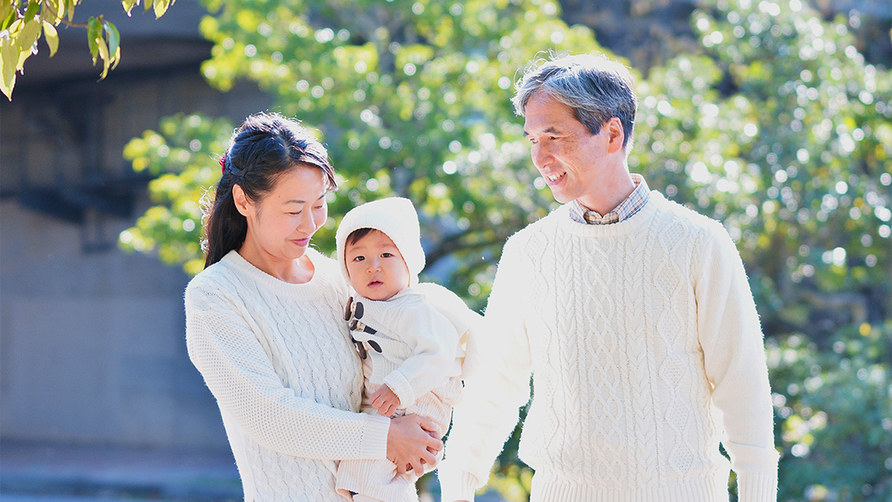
(625, 210)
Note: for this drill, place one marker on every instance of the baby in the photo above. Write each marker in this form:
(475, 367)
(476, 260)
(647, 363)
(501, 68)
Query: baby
(411, 337)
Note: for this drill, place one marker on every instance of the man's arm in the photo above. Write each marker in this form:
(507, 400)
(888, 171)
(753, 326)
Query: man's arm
(734, 357)
(493, 394)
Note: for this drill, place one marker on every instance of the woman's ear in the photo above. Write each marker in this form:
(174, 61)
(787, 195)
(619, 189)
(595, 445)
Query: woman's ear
(240, 200)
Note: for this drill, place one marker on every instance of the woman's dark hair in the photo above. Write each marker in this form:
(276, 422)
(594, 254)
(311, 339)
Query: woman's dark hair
(263, 148)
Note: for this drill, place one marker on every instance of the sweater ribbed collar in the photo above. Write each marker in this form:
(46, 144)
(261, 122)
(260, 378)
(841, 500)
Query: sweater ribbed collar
(311, 290)
(566, 223)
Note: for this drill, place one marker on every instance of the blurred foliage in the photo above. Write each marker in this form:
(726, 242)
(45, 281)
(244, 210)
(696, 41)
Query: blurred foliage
(776, 126)
(24, 22)
(781, 130)
(833, 414)
(179, 156)
(411, 98)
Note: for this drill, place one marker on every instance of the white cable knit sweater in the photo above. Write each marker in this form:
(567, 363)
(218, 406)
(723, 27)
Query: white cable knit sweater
(644, 344)
(286, 376)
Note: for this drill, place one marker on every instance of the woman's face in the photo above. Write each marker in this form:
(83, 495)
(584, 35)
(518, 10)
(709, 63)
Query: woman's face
(281, 223)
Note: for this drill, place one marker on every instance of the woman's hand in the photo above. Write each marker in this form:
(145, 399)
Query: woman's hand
(412, 442)
(385, 401)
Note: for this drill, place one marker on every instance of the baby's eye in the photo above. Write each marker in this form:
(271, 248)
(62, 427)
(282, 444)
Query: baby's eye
(387, 255)
(359, 258)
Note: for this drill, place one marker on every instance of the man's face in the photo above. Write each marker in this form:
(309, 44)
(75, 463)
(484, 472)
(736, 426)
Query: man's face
(568, 156)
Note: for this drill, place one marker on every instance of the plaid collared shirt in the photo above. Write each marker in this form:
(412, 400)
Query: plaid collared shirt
(633, 203)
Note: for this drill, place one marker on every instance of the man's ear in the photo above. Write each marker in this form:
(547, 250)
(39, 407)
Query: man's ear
(240, 200)
(615, 134)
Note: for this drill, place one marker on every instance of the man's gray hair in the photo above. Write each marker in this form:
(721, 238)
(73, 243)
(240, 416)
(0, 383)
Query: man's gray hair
(594, 87)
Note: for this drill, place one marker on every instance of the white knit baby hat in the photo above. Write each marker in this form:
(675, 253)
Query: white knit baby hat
(396, 217)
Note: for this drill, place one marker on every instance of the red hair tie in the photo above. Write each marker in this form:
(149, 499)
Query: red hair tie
(223, 165)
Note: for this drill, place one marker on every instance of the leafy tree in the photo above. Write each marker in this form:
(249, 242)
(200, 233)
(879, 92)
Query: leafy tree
(776, 126)
(834, 414)
(780, 129)
(411, 97)
(180, 158)
(23, 22)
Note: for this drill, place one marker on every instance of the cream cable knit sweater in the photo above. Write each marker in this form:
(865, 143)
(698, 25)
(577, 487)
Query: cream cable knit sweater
(645, 346)
(286, 376)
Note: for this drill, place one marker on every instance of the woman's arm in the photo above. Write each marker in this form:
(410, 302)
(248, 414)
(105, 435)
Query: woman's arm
(223, 347)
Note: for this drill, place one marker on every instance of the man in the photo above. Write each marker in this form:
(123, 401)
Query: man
(633, 315)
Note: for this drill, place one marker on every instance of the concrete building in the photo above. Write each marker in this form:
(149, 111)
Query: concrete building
(92, 344)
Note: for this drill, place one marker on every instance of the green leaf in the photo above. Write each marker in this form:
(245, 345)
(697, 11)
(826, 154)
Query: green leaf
(60, 10)
(161, 7)
(9, 58)
(7, 14)
(128, 5)
(50, 12)
(51, 36)
(32, 10)
(69, 8)
(104, 55)
(94, 36)
(26, 39)
(114, 42)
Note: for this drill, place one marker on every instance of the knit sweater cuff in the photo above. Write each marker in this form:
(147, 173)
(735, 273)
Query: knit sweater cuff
(374, 437)
(756, 470)
(757, 486)
(401, 387)
(457, 485)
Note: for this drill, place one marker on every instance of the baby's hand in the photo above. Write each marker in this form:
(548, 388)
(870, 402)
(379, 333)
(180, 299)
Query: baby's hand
(385, 401)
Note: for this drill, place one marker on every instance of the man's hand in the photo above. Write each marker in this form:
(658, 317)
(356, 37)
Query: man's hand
(412, 442)
(385, 401)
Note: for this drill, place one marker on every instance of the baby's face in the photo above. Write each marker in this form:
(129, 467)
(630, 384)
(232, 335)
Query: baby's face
(376, 268)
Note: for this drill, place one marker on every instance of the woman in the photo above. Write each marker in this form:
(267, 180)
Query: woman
(264, 325)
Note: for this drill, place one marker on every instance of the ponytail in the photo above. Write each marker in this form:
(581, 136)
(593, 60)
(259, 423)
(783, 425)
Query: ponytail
(225, 227)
